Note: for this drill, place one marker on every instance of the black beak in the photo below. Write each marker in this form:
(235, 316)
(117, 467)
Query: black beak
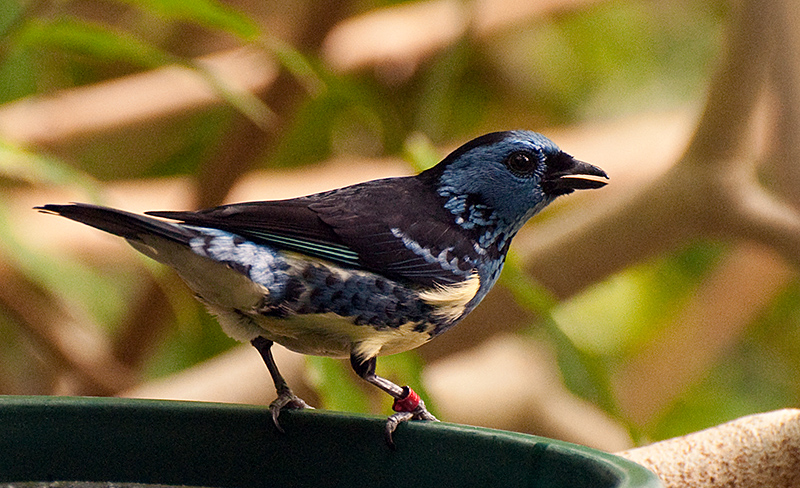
(566, 174)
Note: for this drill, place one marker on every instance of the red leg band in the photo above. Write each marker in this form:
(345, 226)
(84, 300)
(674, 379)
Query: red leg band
(408, 402)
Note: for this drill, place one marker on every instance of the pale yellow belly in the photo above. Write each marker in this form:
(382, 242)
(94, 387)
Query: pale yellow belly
(324, 334)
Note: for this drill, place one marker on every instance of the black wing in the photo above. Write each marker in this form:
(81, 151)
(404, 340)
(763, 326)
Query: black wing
(396, 227)
(287, 224)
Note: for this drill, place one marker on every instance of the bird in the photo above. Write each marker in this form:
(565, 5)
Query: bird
(371, 269)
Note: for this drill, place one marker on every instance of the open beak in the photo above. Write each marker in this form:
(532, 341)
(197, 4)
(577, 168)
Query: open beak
(568, 174)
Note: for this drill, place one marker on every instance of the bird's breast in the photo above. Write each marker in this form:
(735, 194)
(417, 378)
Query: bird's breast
(449, 302)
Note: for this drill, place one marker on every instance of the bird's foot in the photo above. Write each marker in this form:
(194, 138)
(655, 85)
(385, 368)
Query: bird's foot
(286, 399)
(408, 407)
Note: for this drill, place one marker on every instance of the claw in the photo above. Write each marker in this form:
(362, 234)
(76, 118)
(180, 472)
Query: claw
(391, 425)
(286, 399)
(408, 407)
(407, 404)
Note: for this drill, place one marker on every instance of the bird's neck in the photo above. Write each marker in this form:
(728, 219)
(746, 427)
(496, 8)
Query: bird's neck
(488, 228)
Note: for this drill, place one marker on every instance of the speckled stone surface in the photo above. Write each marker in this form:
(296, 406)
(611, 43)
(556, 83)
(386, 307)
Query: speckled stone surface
(760, 450)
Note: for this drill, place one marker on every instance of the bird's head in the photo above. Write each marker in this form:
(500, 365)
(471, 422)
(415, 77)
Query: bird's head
(502, 179)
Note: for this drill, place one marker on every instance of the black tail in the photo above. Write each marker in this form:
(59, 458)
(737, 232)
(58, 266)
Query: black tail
(118, 222)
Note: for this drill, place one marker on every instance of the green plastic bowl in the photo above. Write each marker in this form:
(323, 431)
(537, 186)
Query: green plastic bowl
(45, 439)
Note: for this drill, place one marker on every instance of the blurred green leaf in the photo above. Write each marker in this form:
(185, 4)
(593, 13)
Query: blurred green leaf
(313, 133)
(337, 387)
(87, 38)
(642, 56)
(179, 148)
(340, 389)
(584, 374)
(528, 292)
(195, 336)
(758, 374)
(613, 316)
(207, 13)
(248, 104)
(420, 152)
(18, 75)
(441, 87)
(11, 13)
(19, 165)
(750, 378)
(295, 63)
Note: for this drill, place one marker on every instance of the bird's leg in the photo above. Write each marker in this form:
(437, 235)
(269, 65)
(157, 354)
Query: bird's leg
(407, 404)
(286, 397)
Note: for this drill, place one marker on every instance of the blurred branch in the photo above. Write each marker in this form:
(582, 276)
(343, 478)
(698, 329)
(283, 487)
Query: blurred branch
(713, 191)
(767, 219)
(784, 159)
(733, 93)
(396, 40)
(750, 452)
(710, 192)
(50, 121)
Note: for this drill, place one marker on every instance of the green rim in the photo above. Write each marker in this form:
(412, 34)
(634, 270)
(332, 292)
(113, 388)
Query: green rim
(219, 445)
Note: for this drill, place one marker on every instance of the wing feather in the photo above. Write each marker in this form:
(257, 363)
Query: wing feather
(356, 226)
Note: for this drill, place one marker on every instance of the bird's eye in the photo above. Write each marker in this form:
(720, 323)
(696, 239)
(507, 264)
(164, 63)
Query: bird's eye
(521, 163)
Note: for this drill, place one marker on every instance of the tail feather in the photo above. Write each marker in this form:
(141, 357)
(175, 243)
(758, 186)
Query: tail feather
(124, 224)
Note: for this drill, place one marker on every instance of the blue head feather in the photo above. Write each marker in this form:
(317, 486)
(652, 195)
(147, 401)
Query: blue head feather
(483, 192)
